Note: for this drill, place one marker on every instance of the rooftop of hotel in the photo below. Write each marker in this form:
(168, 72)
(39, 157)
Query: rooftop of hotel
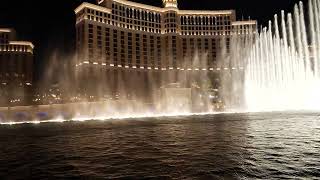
(22, 43)
(101, 8)
(13, 41)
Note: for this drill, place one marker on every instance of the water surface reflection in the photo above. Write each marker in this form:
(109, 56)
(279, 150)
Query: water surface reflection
(261, 145)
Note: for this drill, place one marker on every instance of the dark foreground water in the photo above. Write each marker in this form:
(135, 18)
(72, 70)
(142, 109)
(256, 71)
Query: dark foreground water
(230, 146)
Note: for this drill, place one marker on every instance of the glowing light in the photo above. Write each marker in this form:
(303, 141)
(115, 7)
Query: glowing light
(5, 30)
(22, 43)
(59, 119)
(219, 12)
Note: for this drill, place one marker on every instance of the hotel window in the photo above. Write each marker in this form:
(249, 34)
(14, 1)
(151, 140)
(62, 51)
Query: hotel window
(137, 50)
(145, 49)
(184, 46)
(90, 41)
(206, 44)
(174, 51)
(152, 49)
(199, 43)
(90, 28)
(115, 47)
(122, 49)
(130, 48)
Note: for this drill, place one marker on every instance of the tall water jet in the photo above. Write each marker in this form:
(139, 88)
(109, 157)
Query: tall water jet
(282, 67)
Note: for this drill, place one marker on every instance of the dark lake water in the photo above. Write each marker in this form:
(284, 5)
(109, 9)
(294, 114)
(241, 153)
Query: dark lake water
(226, 146)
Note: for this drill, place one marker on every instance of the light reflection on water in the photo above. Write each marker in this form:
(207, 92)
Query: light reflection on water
(254, 145)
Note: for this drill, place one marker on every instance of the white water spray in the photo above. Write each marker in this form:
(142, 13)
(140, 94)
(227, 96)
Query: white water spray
(282, 71)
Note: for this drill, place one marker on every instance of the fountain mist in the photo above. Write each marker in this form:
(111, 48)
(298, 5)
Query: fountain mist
(275, 69)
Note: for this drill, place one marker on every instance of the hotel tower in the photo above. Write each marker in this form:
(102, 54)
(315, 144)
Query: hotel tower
(16, 68)
(134, 47)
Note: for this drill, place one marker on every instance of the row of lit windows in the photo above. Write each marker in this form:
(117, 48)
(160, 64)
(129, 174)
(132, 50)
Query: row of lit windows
(244, 29)
(206, 33)
(199, 20)
(116, 20)
(17, 64)
(170, 26)
(170, 22)
(15, 48)
(140, 53)
(135, 14)
(130, 24)
(214, 67)
(143, 24)
(200, 28)
(147, 48)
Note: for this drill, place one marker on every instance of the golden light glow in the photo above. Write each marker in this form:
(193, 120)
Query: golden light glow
(170, 3)
(192, 12)
(107, 118)
(238, 23)
(6, 30)
(22, 43)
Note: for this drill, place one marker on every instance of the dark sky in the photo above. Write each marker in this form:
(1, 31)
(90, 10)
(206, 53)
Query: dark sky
(50, 24)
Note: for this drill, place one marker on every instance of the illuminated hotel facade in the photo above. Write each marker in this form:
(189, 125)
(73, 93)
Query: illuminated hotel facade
(16, 68)
(117, 36)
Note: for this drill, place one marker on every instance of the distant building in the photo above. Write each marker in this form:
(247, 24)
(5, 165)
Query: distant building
(16, 68)
(119, 37)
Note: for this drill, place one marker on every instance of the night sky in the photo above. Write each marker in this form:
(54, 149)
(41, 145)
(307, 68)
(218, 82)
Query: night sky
(50, 25)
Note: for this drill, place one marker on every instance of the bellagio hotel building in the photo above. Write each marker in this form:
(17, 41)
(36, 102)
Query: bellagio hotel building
(129, 45)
